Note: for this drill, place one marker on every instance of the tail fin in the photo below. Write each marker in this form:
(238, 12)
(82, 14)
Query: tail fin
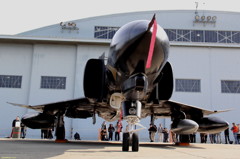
(152, 22)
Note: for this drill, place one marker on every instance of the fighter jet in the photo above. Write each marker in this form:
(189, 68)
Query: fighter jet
(136, 82)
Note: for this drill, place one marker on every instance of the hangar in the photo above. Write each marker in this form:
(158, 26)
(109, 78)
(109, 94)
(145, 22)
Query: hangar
(46, 65)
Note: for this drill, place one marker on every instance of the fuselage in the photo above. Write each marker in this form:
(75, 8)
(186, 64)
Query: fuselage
(129, 51)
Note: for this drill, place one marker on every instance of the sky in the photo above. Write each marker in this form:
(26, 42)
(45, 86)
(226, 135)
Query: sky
(17, 16)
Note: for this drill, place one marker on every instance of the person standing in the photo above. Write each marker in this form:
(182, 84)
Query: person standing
(212, 138)
(77, 136)
(49, 133)
(219, 139)
(235, 132)
(152, 131)
(165, 135)
(193, 137)
(160, 133)
(238, 134)
(104, 125)
(104, 135)
(149, 130)
(118, 130)
(226, 134)
(111, 129)
(23, 130)
(202, 137)
(15, 123)
(44, 133)
(103, 131)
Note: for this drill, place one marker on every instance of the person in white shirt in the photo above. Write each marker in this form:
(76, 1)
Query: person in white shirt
(160, 133)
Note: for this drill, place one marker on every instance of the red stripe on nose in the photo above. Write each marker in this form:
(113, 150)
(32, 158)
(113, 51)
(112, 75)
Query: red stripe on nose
(152, 44)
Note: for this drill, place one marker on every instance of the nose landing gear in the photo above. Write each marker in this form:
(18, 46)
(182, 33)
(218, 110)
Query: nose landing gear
(132, 113)
(133, 140)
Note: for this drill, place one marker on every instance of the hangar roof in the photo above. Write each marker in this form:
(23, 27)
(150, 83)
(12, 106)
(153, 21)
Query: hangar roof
(169, 19)
(184, 28)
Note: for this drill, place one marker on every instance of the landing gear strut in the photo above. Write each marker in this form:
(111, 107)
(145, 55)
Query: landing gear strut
(60, 129)
(132, 113)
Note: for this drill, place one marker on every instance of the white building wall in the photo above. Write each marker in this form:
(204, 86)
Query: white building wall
(15, 59)
(51, 60)
(210, 65)
(191, 63)
(225, 65)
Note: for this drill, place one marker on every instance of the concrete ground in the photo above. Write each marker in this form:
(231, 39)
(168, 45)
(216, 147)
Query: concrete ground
(38, 149)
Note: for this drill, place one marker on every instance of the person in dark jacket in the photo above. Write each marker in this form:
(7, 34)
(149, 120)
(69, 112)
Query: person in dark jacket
(111, 129)
(23, 130)
(104, 135)
(165, 135)
(77, 136)
(152, 131)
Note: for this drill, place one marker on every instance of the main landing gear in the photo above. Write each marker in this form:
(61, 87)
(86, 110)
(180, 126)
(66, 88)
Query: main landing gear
(60, 130)
(132, 113)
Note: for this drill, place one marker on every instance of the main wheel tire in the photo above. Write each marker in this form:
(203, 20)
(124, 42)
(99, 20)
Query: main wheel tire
(135, 142)
(125, 143)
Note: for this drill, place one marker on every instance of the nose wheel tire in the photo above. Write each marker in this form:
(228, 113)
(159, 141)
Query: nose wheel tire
(125, 143)
(133, 139)
(135, 142)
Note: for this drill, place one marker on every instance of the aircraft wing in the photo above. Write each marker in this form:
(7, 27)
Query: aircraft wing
(166, 108)
(186, 107)
(37, 108)
(84, 102)
(83, 107)
(75, 108)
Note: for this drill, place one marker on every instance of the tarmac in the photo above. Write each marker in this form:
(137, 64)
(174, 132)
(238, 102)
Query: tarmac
(39, 149)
